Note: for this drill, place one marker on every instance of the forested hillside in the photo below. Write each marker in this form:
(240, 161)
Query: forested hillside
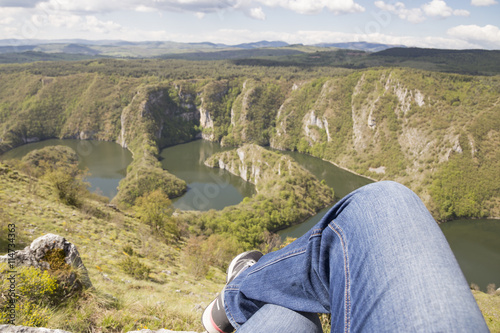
(437, 133)
(286, 194)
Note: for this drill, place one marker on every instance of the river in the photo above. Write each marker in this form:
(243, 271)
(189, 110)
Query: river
(475, 243)
(106, 161)
(208, 188)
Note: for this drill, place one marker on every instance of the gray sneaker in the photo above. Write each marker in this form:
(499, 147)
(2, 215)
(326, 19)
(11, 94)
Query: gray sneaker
(214, 317)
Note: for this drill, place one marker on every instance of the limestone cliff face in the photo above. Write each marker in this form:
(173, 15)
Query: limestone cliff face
(206, 122)
(254, 164)
(239, 111)
(155, 110)
(212, 109)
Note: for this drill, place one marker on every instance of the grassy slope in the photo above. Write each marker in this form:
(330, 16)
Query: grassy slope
(171, 301)
(490, 307)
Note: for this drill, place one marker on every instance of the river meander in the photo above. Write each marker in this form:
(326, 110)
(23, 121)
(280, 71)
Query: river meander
(208, 188)
(475, 243)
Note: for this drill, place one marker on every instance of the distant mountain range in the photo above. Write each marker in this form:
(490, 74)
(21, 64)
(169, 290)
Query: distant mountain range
(154, 48)
(354, 55)
(360, 46)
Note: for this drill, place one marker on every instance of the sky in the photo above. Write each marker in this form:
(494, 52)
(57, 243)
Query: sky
(458, 24)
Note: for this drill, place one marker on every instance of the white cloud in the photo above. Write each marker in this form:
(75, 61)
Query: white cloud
(7, 20)
(251, 7)
(11, 11)
(144, 9)
(93, 24)
(76, 23)
(461, 12)
(56, 21)
(483, 2)
(414, 15)
(434, 8)
(440, 8)
(487, 36)
(315, 6)
(257, 13)
(91, 6)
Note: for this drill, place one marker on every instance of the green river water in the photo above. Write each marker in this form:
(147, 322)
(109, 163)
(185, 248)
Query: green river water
(106, 161)
(475, 243)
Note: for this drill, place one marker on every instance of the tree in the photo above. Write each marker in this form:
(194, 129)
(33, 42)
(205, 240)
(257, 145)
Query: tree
(154, 209)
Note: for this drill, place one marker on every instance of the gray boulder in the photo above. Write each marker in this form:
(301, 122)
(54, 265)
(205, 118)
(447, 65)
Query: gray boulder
(34, 255)
(26, 329)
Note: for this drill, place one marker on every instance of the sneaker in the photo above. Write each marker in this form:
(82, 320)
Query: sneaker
(214, 317)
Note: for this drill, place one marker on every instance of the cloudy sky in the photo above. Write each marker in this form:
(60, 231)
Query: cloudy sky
(423, 23)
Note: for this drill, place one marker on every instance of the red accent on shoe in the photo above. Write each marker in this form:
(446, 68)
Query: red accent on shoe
(215, 326)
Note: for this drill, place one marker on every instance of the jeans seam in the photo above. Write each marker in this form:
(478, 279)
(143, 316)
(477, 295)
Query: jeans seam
(315, 233)
(229, 314)
(347, 293)
(283, 257)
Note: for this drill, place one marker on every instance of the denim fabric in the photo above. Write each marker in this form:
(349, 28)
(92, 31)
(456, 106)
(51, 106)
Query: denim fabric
(276, 319)
(377, 261)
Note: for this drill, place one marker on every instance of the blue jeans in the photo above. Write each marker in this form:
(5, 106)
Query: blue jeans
(377, 261)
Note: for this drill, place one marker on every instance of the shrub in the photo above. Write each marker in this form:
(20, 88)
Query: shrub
(128, 250)
(67, 277)
(192, 255)
(35, 290)
(135, 268)
(69, 187)
(491, 289)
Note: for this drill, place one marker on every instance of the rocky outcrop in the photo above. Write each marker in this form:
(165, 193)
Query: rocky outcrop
(207, 124)
(36, 254)
(252, 163)
(311, 122)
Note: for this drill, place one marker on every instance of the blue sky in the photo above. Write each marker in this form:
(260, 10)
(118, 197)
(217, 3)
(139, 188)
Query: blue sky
(423, 23)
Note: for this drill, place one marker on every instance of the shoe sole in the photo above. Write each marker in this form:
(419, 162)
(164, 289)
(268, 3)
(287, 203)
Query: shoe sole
(207, 318)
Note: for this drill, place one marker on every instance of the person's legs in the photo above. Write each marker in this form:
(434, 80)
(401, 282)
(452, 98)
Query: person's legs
(276, 319)
(377, 261)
